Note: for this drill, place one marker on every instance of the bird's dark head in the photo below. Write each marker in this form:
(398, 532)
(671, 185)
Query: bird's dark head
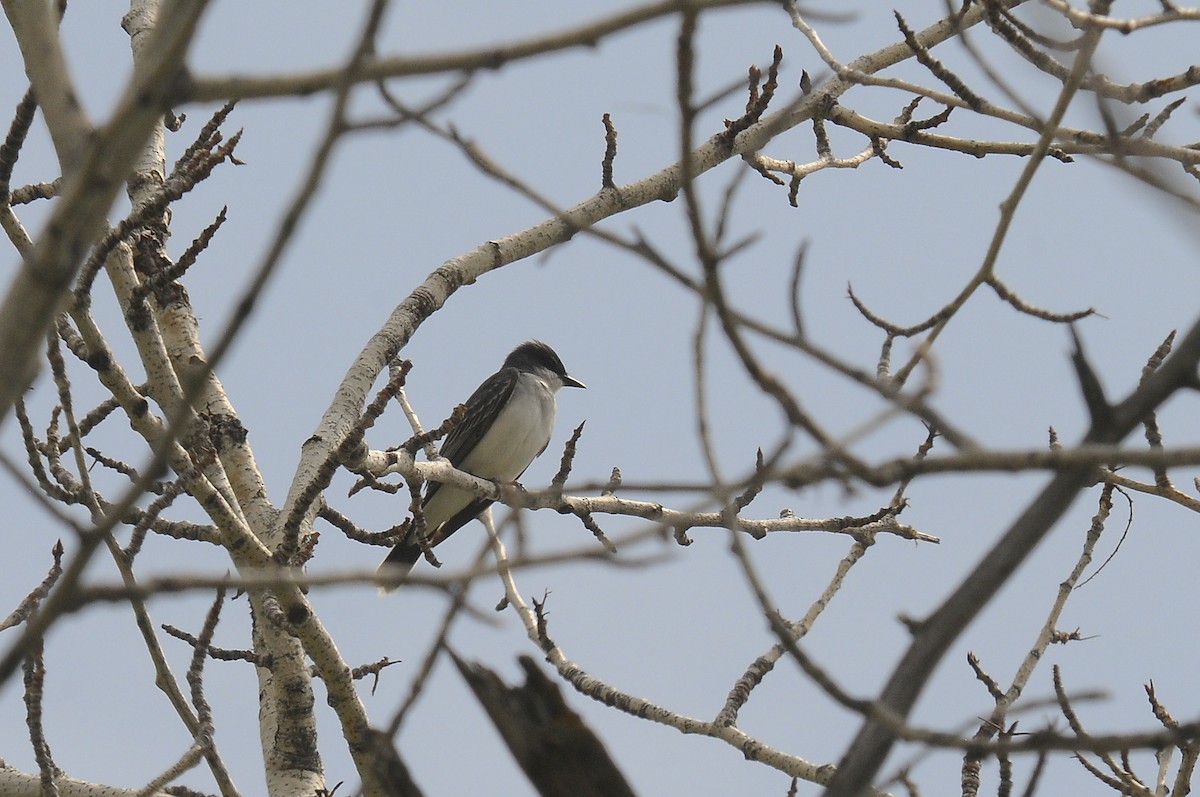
(533, 356)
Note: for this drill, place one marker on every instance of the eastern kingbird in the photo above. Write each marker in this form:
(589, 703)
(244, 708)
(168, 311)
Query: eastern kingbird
(509, 421)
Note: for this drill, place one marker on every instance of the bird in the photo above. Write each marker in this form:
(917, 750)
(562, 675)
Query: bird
(508, 423)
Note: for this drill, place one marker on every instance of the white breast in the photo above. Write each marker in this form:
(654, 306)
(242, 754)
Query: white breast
(519, 434)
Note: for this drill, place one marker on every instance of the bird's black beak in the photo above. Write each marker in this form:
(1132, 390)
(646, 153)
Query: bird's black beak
(570, 381)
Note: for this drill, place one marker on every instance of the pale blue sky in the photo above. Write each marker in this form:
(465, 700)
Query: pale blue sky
(396, 204)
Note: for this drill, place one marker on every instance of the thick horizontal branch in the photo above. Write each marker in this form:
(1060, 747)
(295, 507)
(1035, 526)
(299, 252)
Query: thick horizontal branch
(1067, 141)
(440, 470)
(900, 469)
(1082, 19)
(209, 89)
(16, 783)
(304, 580)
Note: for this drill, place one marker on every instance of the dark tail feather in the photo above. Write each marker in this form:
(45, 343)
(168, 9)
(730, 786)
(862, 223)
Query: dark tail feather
(396, 566)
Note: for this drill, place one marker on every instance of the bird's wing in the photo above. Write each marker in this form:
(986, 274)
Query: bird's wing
(462, 518)
(467, 513)
(483, 407)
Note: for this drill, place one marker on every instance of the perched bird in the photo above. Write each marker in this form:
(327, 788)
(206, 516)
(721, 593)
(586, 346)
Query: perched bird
(509, 421)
